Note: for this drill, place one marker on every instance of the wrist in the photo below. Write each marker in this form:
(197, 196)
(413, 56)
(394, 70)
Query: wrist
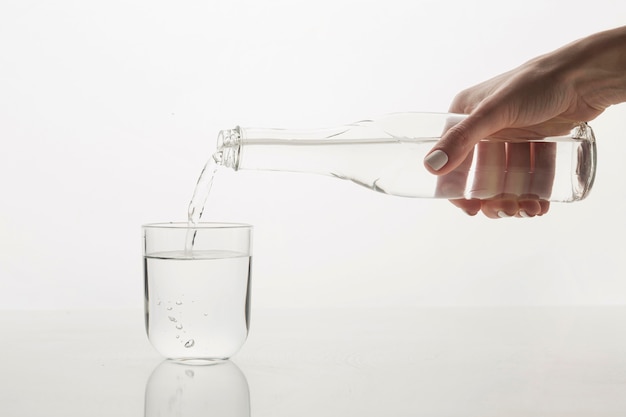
(596, 67)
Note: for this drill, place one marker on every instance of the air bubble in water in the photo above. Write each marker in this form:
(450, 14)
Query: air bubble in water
(190, 373)
(169, 308)
(178, 303)
(179, 326)
(173, 319)
(190, 343)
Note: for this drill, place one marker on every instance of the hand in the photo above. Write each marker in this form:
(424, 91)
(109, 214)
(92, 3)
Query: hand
(508, 179)
(547, 96)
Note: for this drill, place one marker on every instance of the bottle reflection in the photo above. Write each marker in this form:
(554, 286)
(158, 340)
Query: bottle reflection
(217, 389)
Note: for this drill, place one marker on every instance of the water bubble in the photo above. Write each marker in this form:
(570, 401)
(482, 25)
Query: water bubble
(169, 308)
(206, 314)
(190, 373)
(179, 326)
(190, 343)
(178, 303)
(159, 302)
(173, 319)
(177, 336)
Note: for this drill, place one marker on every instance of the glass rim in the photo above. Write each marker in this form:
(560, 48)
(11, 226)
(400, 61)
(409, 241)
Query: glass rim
(200, 225)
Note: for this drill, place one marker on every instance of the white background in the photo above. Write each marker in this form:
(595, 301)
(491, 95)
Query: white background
(109, 110)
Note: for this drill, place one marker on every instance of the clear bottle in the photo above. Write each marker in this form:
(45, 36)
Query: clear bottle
(386, 155)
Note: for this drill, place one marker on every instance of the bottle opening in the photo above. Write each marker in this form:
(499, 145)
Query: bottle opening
(228, 147)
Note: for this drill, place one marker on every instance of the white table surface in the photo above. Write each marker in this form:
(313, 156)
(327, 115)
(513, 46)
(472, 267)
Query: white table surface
(540, 361)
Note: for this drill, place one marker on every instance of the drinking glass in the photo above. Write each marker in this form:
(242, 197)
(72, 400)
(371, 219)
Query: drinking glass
(197, 288)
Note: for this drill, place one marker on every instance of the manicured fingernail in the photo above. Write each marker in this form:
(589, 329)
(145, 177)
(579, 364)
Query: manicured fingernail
(436, 160)
(502, 214)
(470, 213)
(523, 213)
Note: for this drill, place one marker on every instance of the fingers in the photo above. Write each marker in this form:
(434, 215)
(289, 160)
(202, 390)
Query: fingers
(501, 207)
(471, 207)
(511, 179)
(518, 178)
(454, 183)
(543, 168)
(530, 207)
(490, 170)
(456, 143)
(504, 206)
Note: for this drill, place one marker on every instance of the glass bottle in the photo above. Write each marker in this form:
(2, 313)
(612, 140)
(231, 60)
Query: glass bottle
(386, 155)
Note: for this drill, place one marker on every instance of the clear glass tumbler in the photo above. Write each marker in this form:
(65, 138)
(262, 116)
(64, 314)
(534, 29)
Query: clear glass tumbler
(197, 288)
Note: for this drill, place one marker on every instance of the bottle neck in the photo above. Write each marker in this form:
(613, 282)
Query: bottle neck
(228, 148)
(328, 150)
(277, 149)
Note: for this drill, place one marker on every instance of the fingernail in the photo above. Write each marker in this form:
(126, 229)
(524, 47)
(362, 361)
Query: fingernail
(436, 160)
(470, 213)
(523, 213)
(503, 215)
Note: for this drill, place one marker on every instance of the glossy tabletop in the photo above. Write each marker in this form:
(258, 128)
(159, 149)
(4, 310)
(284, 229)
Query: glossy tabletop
(535, 361)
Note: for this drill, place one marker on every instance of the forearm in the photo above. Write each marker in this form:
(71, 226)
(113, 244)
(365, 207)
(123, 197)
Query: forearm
(596, 67)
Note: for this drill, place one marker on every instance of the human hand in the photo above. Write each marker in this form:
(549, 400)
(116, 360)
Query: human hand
(503, 179)
(547, 96)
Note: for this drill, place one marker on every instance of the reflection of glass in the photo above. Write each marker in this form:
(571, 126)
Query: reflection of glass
(197, 288)
(215, 389)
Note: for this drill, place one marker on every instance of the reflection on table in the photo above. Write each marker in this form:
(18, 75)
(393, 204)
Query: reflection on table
(211, 389)
(452, 362)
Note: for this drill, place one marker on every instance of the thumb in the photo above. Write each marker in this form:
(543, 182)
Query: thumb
(457, 142)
